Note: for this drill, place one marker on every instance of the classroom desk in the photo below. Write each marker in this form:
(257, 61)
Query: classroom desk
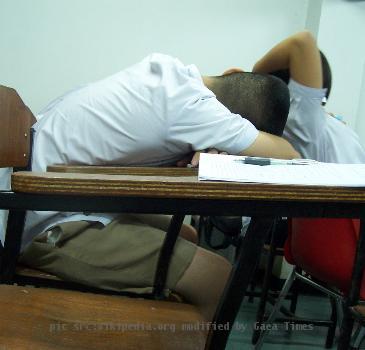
(178, 191)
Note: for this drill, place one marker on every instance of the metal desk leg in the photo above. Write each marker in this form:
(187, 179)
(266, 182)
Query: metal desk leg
(354, 293)
(260, 315)
(241, 276)
(165, 256)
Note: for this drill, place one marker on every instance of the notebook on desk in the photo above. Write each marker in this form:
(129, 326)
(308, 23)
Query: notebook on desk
(233, 168)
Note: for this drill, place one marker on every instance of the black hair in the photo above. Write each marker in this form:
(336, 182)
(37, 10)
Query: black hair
(260, 98)
(326, 74)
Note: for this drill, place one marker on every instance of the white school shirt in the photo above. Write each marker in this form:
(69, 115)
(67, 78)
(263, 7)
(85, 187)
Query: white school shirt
(151, 114)
(317, 135)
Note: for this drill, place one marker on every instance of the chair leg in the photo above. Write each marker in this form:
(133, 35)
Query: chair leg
(265, 287)
(294, 298)
(332, 329)
(201, 224)
(345, 328)
(288, 283)
(358, 336)
(165, 256)
(12, 245)
(354, 293)
(1, 252)
(253, 287)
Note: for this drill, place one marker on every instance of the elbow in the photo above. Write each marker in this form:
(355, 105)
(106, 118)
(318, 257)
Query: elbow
(293, 154)
(304, 39)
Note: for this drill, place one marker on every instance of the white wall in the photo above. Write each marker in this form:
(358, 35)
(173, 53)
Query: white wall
(341, 38)
(360, 115)
(50, 46)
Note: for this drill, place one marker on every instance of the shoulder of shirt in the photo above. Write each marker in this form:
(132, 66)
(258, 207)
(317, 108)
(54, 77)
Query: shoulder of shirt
(295, 87)
(161, 57)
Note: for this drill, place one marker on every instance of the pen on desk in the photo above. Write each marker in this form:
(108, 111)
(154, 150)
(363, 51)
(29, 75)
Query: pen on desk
(273, 161)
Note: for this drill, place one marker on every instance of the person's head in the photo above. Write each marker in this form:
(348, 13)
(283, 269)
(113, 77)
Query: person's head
(262, 99)
(326, 74)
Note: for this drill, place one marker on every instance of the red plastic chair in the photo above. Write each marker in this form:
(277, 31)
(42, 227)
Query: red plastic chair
(324, 249)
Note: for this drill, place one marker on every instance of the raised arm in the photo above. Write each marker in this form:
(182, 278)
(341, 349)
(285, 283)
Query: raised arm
(300, 55)
(268, 145)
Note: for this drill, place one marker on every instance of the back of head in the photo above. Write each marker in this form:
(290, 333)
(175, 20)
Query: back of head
(326, 73)
(284, 74)
(262, 99)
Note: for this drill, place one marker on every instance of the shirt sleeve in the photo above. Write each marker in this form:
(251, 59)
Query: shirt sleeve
(306, 120)
(206, 123)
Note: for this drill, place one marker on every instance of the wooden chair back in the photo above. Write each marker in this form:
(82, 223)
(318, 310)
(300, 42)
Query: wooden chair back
(16, 120)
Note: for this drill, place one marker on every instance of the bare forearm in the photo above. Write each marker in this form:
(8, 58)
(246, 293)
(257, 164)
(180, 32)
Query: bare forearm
(268, 145)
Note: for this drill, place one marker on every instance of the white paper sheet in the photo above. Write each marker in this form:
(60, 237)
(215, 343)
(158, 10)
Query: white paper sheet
(227, 168)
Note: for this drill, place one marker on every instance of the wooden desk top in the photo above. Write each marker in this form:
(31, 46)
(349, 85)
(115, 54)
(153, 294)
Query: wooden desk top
(172, 183)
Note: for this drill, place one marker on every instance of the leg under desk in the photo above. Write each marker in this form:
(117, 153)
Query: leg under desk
(241, 276)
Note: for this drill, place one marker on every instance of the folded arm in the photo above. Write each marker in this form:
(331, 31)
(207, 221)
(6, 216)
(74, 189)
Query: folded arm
(265, 145)
(268, 145)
